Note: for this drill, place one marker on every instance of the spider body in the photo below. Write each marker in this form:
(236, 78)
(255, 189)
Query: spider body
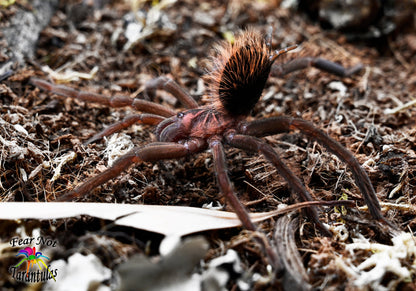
(239, 74)
(200, 123)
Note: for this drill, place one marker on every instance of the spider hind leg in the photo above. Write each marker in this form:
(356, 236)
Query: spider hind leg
(319, 63)
(252, 144)
(275, 125)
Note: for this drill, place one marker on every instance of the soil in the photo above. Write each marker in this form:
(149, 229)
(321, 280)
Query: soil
(38, 127)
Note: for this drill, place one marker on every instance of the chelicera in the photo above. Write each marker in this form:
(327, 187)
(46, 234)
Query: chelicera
(238, 77)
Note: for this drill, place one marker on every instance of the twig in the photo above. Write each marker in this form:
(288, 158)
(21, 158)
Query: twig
(411, 209)
(400, 107)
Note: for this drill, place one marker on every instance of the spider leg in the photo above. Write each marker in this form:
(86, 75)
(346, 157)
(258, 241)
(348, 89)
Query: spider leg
(149, 153)
(319, 63)
(37, 262)
(28, 267)
(253, 144)
(43, 263)
(25, 259)
(170, 86)
(227, 190)
(145, 118)
(226, 186)
(115, 101)
(274, 125)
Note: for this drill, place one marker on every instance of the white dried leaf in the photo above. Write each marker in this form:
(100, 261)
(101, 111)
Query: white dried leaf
(338, 86)
(20, 129)
(400, 107)
(385, 259)
(23, 174)
(167, 220)
(79, 273)
(117, 145)
(69, 75)
(14, 150)
(60, 162)
(155, 21)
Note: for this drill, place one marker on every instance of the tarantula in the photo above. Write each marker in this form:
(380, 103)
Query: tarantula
(237, 80)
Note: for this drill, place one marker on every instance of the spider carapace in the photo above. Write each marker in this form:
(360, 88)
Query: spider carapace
(238, 76)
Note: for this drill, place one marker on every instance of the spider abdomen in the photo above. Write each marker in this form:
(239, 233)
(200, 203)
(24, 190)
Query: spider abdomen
(241, 71)
(243, 79)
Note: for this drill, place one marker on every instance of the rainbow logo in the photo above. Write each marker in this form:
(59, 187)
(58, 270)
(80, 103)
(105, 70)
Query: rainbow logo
(32, 257)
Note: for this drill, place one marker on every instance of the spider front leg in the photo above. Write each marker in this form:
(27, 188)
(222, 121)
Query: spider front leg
(225, 185)
(319, 63)
(252, 144)
(155, 111)
(170, 86)
(150, 153)
(161, 83)
(275, 125)
(115, 101)
(149, 119)
(227, 190)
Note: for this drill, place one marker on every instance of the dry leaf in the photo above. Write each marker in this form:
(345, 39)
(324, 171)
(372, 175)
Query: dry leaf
(167, 220)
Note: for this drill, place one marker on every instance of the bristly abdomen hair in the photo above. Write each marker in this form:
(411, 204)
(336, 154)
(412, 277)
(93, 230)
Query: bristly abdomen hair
(240, 71)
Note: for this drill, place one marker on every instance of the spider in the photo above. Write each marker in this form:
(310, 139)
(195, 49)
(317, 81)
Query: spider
(238, 77)
(31, 256)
